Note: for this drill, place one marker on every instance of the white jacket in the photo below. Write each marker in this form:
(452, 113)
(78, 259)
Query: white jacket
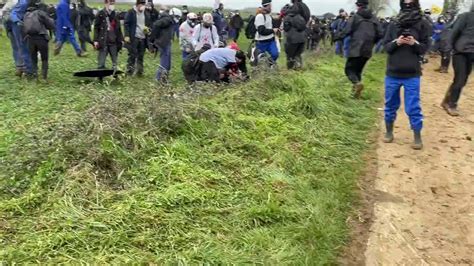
(186, 36)
(203, 36)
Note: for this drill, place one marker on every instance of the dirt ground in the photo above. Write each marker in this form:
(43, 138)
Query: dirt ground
(423, 201)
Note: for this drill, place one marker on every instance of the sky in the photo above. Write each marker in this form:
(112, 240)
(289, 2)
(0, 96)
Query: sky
(318, 7)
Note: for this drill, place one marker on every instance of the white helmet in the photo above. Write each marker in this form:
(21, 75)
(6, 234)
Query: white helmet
(192, 16)
(207, 18)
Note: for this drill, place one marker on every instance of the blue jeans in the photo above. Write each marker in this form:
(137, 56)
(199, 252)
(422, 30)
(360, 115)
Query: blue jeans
(22, 53)
(412, 100)
(347, 46)
(165, 62)
(380, 47)
(63, 35)
(339, 47)
(16, 56)
(269, 47)
(185, 55)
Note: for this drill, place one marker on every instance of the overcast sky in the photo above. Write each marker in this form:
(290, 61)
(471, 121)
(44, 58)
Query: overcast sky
(317, 6)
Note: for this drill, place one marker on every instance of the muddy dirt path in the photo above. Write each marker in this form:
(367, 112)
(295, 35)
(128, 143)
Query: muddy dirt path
(424, 208)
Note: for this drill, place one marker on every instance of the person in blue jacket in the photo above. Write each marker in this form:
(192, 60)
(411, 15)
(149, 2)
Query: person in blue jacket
(24, 65)
(65, 29)
(437, 30)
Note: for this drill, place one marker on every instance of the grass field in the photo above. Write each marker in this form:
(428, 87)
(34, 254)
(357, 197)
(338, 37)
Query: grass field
(129, 172)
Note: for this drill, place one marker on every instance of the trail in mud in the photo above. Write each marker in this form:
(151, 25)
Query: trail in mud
(424, 207)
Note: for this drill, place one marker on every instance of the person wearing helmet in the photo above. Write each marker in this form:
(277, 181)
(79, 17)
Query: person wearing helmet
(137, 28)
(186, 31)
(205, 34)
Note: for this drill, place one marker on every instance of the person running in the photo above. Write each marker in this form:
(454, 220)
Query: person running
(186, 31)
(136, 27)
(36, 26)
(407, 39)
(205, 34)
(462, 41)
(161, 37)
(364, 31)
(294, 25)
(108, 37)
(65, 29)
(265, 36)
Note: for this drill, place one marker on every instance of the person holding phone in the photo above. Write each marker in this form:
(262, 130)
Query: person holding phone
(406, 41)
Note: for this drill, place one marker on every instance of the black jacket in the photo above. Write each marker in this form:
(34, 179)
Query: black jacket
(365, 31)
(85, 17)
(236, 22)
(462, 36)
(101, 34)
(37, 23)
(130, 24)
(162, 32)
(404, 61)
(295, 23)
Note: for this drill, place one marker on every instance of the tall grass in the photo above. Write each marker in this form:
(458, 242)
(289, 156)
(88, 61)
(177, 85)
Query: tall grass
(262, 172)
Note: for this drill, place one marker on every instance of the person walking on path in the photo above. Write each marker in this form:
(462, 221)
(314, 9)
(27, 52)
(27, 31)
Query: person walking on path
(137, 27)
(266, 33)
(462, 41)
(406, 41)
(295, 25)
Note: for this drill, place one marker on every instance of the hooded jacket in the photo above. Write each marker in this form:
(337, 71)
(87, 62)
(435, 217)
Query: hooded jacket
(365, 31)
(162, 32)
(295, 23)
(63, 16)
(404, 60)
(462, 35)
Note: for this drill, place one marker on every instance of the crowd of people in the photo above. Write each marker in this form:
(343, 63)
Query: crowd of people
(210, 53)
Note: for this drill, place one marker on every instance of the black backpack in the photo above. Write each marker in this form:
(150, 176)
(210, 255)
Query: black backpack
(251, 30)
(296, 21)
(32, 23)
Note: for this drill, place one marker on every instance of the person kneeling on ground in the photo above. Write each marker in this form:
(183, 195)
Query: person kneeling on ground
(222, 65)
(36, 26)
(406, 40)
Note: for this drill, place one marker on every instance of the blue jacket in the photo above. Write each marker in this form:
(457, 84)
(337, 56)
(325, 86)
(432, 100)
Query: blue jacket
(18, 11)
(437, 29)
(63, 14)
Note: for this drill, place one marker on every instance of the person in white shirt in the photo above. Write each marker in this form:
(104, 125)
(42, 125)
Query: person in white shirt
(205, 34)
(186, 31)
(265, 36)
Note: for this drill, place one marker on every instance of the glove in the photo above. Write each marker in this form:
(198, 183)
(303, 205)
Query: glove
(146, 30)
(127, 39)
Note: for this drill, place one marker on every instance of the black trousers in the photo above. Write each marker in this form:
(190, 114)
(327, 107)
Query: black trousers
(84, 37)
(462, 64)
(445, 59)
(354, 68)
(293, 55)
(136, 53)
(39, 44)
(237, 35)
(209, 72)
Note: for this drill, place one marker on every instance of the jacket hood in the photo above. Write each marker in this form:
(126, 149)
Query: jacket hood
(416, 4)
(365, 13)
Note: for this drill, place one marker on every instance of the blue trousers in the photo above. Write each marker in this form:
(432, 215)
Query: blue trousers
(269, 47)
(339, 47)
(63, 35)
(185, 55)
(412, 100)
(165, 62)
(347, 46)
(15, 50)
(22, 53)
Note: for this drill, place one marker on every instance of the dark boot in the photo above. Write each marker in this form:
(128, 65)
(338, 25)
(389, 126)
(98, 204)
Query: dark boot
(358, 88)
(389, 134)
(418, 143)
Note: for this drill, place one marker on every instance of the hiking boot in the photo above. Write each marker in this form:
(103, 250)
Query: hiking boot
(19, 73)
(389, 133)
(452, 111)
(57, 50)
(358, 88)
(82, 54)
(418, 143)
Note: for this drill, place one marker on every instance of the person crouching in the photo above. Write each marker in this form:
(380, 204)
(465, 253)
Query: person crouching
(222, 65)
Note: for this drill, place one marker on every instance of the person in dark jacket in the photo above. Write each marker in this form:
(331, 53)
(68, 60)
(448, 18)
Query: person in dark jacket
(220, 21)
(37, 24)
(236, 23)
(314, 33)
(65, 29)
(364, 31)
(151, 12)
(85, 18)
(407, 39)
(445, 48)
(137, 28)
(295, 26)
(108, 37)
(161, 37)
(462, 41)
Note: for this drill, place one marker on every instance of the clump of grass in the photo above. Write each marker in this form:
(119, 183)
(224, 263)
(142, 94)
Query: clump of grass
(260, 173)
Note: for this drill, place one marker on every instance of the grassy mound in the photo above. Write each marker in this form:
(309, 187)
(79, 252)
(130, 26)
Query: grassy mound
(262, 172)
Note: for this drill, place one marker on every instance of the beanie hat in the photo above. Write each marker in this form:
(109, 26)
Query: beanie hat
(266, 2)
(362, 2)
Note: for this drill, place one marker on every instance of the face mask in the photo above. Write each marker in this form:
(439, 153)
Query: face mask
(207, 25)
(192, 23)
(111, 7)
(408, 5)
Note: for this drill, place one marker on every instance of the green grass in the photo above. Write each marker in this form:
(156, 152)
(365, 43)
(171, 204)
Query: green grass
(256, 173)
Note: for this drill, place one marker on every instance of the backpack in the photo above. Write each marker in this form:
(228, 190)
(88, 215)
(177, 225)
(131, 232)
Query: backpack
(297, 22)
(32, 23)
(251, 29)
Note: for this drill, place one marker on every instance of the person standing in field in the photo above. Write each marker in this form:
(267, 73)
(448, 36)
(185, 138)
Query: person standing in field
(205, 34)
(265, 36)
(407, 39)
(462, 42)
(186, 31)
(137, 27)
(65, 29)
(24, 65)
(295, 25)
(364, 31)
(108, 37)
(161, 37)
